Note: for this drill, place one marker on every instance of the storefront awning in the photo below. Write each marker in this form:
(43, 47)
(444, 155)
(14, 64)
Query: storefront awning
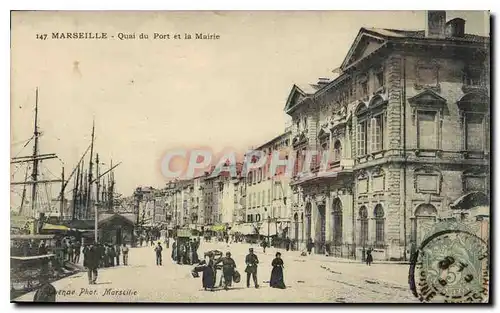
(248, 229)
(55, 227)
(268, 229)
(218, 227)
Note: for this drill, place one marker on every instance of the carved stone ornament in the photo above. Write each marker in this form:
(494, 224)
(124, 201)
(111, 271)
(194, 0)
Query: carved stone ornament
(425, 66)
(428, 172)
(377, 172)
(362, 175)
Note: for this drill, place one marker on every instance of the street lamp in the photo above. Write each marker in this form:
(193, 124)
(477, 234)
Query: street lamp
(269, 220)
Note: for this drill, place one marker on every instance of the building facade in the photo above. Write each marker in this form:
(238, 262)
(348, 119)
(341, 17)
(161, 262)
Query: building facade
(266, 194)
(406, 125)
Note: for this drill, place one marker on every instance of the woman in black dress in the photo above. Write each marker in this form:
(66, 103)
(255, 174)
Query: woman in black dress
(208, 278)
(228, 268)
(369, 257)
(277, 280)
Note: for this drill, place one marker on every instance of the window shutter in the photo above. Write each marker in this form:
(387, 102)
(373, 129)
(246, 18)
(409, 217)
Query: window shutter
(373, 141)
(358, 139)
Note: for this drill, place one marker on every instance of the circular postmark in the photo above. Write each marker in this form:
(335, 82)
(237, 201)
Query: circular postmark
(451, 266)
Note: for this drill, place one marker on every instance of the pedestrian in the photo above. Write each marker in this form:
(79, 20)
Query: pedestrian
(78, 248)
(174, 251)
(101, 251)
(369, 257)
(184, 254)
(91, 262)
(111, 255)
(228, 267)
(117, 253)
(65, 249)
(125, 254)
(251, 261)
(288, 243)
(277, 280)
(158, 250)
(196, 244)
(70, 250)
(151, 240)
(310, 245)
(140, 241)
(167, 242)
(264, 245)
(208, 278)
(42, 249)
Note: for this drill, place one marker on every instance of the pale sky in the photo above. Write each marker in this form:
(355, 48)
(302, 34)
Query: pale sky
(148, 96)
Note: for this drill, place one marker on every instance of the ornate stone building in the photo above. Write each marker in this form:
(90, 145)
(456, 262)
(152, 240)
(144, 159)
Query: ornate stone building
(407, 126)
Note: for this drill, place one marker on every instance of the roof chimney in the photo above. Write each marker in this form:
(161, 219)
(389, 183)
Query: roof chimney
(323, 81)
(435, 25)
(455, 28)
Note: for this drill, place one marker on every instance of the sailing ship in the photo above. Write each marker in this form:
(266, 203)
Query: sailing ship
(87, 199)
(33, 209)
(38, 220)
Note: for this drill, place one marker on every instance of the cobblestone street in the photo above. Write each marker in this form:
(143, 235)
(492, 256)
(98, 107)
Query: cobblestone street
(308, 279)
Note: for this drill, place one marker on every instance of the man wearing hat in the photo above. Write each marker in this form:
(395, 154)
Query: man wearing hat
(251, 261)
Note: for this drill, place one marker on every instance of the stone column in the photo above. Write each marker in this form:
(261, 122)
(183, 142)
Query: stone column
(314, 222)
(329, 218)
(371, 228)
(394, 109)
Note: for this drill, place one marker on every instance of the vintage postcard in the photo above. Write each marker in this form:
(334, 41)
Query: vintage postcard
(250, 156)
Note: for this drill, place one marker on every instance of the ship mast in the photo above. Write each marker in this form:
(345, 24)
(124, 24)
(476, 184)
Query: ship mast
(75, 192)
(34, 174)
(89, 185)
(24, 193)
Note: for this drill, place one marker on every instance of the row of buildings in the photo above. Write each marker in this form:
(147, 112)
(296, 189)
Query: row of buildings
(406, 125)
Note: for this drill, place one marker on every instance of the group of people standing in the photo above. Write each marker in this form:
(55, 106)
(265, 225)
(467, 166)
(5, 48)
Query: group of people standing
(98, 255)
(185, 252)
(69, 249)
(229, 274)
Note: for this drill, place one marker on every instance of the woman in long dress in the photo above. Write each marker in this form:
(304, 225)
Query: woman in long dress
(277, 280)
(228, 267)
(208, 278)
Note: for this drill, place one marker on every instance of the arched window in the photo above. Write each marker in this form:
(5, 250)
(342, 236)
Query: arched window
(337, 151)
(425, 218)
(257, 217)
(379, 225)
(363, 223)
